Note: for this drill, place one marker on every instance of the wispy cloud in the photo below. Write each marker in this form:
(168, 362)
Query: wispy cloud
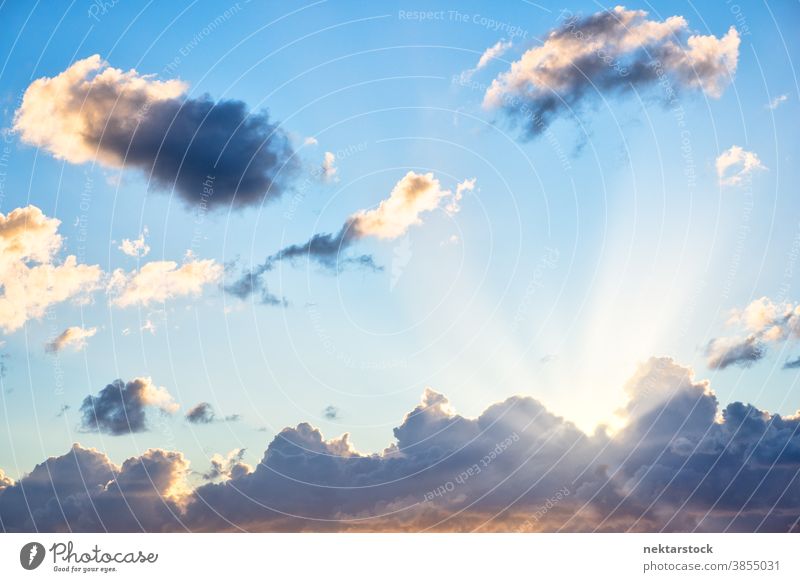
(679, 463)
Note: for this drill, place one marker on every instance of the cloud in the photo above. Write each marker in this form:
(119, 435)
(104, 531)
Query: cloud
(137, 247)
(734, 165)
(613, 51)
(83, 491)
(92, 111)
(203, 413)
(744, 352)
(792, 364)
(31, 278)
(310, 141)
(74, 337)
(158, 281)
(679, 463)
(766, 323)
(121, 408)
(778, 101)
(412, 196)
(231, 466)
(331, 412)
(496, 50)
(329, 168)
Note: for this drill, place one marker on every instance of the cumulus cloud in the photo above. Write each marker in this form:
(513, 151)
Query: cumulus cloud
(765, 322)
(613, 51)
(159, 281)
(735, 165)
(136, 247)
(329, 169)
(121, 408)
(331, 412)
(92, 111)
(74, 337)
(412, 196)
(203, 413)
(680, 462)
(31, 278)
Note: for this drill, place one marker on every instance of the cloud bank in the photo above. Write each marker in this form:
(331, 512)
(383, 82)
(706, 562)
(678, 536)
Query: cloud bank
(609, 52)
(679, 464)
(94, 112)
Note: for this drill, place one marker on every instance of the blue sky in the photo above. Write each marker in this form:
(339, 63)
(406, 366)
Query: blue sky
(578, 255)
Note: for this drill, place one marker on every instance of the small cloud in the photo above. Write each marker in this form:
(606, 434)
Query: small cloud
(203, 413)
(231, 466)
(329, 168)
(792, 364)
(310, 141)
(74, 337)
(137, 247)
(158, 281)
(493, 52)
(778, 101)
(331, 412)
(735, 164)
(62, 410)
(742, 352)
(121, 408)
(149, 327)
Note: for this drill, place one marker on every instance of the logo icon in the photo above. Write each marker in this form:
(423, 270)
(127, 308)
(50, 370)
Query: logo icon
(31, 555)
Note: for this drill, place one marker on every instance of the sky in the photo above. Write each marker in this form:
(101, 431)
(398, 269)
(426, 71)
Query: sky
(224, 221)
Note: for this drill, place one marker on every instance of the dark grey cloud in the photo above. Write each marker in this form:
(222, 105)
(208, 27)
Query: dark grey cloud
(678, 464)
(611, 52)
(203, 413)
(331, 412)
(122, 408)
(324, 249)
(743, 352)
(210, 153)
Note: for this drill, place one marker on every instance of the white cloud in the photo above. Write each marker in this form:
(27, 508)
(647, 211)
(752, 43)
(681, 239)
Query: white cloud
(136, 247)
(329, 168)
(31, 279)
(612, 50)
(778, 101)
(74, 337)
(763, 322)
(309, 141)
(413, 195)
(158, 281)
(735, 164)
